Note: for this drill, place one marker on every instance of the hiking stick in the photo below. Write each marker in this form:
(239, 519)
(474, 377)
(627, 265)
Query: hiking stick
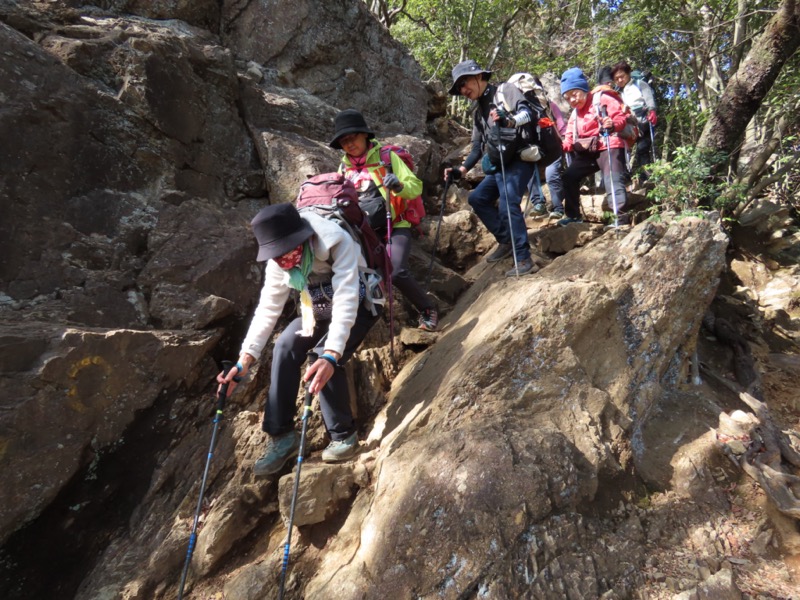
(652, 141)
(300, 452)
(388, 203)
(447, 183)
(604, 114)
(221, 395)
(508, 207)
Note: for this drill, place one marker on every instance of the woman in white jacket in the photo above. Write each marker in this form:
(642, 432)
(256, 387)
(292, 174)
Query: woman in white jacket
(318, 258)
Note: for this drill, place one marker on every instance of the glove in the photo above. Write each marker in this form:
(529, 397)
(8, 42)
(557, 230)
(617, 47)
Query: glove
(503, 118)
(652, 117)
(391, 182)
(453, 175)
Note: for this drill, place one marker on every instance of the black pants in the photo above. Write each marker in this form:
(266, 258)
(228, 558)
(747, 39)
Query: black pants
(289, 356)
(614, 174)
(402, 278)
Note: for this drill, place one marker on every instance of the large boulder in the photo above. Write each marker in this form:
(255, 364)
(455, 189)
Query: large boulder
(333, 49)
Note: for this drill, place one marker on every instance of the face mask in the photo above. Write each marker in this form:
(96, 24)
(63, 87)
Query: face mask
(291, 258)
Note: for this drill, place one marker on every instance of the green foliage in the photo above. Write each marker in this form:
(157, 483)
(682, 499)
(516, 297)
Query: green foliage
(695, 180)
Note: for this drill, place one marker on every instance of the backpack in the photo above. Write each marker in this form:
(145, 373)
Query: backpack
(414, 208)
(549, 140)
(630, 133)
(334, 197)
(637, 77)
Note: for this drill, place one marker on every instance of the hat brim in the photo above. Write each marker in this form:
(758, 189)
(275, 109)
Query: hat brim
(347, 131)
(276, 248)
(455, 89)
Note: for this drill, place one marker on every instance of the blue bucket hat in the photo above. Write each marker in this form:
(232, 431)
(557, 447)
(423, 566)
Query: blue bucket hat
(465, 69)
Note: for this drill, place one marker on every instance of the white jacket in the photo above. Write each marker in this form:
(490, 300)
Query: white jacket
(336, 259)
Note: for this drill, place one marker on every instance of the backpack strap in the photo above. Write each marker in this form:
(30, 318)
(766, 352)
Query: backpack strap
(378, 171)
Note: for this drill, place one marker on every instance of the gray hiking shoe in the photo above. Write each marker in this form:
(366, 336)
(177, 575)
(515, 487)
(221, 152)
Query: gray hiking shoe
(500, 253)
(341, 450)
(279, 450)
(557, 214)
(539, 209)
(525, 266)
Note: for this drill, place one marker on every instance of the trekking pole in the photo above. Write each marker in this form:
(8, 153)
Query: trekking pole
(508, 207)
(447, 182)
(604, 131)
(221, 396)
(300, 452)
(652, 141)
(388, 203)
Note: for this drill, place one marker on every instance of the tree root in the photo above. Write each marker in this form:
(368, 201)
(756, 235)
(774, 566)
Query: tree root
(768, 449)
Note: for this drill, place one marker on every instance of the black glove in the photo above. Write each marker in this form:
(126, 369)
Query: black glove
(391, 182)
(454, 175)
(503, 118)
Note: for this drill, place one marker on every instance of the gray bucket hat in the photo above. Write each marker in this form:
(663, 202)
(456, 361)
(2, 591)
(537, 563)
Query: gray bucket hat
(465, 69)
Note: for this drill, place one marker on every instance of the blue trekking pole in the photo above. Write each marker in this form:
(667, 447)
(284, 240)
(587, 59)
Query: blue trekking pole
(300, 452)
(221, 396)
(652, 141)
(604, 131)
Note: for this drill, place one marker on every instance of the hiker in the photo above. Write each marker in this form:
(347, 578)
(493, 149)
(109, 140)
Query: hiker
(584, 140)
(553, 175)
(511, 176)
(639, 97)
(305, 253)
(604, 76)
(362, 165)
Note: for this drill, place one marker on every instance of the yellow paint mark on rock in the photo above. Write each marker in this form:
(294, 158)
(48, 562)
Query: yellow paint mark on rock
(74, 403)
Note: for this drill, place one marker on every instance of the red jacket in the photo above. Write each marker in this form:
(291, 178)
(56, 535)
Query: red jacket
(588, 123)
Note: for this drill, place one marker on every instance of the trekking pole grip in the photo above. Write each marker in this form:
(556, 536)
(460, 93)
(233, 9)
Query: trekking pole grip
(223, 389)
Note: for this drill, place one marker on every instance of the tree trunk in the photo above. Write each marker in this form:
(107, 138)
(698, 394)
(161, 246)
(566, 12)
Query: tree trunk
(751, 83)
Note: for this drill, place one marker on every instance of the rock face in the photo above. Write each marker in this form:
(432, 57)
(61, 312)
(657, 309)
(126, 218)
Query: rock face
(142, 148)
(516, 415)
(126, 275)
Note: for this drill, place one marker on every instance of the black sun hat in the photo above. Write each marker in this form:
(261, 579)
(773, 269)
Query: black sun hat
(347, 122)
(278, 229)
(465, 69)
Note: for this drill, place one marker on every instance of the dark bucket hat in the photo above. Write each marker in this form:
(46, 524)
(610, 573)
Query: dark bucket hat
(278, 229)
(347, 122)
(465, 69)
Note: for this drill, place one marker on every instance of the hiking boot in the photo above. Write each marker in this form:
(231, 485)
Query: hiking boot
(280, 449)
(500, 253)
(524, 266)
(429, 319)
(539, 209)
(567, 220)
(557, 214)
(341, 450)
